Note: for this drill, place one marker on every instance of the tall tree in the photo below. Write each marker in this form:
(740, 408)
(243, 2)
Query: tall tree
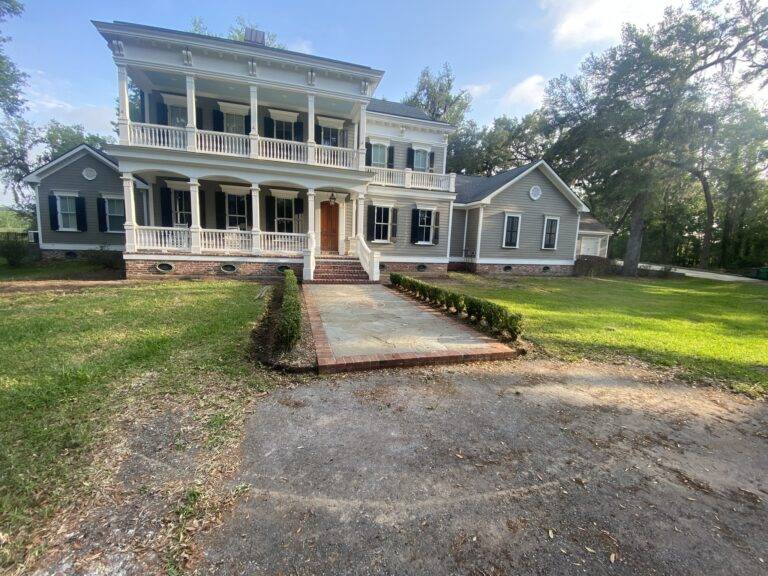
(436, 95)
(235, 32)
(57, 138)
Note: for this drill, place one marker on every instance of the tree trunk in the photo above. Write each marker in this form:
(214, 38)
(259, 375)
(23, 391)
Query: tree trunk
(706, 241)
(636, 229)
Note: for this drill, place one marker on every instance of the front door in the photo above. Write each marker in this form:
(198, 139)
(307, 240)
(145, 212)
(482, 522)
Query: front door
(329, 227)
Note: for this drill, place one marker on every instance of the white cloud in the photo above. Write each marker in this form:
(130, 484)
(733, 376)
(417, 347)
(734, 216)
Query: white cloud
(301, 45)
(526, 94)
(477, 90)
(580, 22)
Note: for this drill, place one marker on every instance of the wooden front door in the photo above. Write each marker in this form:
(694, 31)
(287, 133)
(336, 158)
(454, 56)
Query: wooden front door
(329, 227)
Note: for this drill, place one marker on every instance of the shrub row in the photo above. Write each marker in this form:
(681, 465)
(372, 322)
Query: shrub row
(289, 315)
(495, 316)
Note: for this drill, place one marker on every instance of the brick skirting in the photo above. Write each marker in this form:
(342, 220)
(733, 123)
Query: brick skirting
(520, 269)
(411, 269)
(207, 269)
(46, 254)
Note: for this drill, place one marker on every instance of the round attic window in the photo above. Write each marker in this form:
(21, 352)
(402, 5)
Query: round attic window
(89, 173)
(535, 192)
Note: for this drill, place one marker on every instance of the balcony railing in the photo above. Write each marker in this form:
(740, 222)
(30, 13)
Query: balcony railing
(334, 156)
(158, 136)
(223, 143)
(411, 179)
(288, 150)
(164, 240)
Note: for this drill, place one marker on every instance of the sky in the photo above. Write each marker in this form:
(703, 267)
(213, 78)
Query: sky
(502, 52)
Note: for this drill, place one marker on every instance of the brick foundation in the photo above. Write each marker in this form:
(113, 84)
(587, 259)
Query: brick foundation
(73, 254)
(411, 269)
(520, 269)
(147, 269)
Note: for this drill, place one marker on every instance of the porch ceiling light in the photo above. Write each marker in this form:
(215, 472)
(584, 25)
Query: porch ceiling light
(332, 199)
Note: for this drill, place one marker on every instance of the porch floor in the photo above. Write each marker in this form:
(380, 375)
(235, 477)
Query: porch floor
(359, 327)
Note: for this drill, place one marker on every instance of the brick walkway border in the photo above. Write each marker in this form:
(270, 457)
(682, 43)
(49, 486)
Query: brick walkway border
(327, 362)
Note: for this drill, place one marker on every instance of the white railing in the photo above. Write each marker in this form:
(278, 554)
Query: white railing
(337, 157)
(223, 143)
(274, 149)
(282, 242)
(226, 241)
(163, 239)
(369, 259)
(430, 181)
(158, 136)
(387, 176)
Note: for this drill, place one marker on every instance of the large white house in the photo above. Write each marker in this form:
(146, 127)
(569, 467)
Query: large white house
(238, 158)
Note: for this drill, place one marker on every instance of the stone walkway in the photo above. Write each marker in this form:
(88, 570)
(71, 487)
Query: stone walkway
(358, 327)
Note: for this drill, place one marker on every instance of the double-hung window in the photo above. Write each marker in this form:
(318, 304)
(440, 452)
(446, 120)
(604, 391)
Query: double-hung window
(67, 206)
(182, 208)
(379, 155)
(283, 130)
(237, 211)
(234, 123)
(177, 116)
(551, 225)
(420, 160)
(115, 208)
(382, 223)
(329, 136)
(284, 214)
(511, 231)
(424, 227)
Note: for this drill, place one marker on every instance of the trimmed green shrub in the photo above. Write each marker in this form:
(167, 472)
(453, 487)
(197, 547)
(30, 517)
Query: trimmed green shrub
(15, 251)
(289, 316)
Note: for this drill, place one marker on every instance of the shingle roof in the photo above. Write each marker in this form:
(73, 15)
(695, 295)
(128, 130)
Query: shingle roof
(474, 188)
(399, 109)
(589, 223)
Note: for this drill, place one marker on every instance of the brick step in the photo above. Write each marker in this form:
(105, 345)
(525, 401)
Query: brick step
(328, 281)
(341, 277)
(340, 270)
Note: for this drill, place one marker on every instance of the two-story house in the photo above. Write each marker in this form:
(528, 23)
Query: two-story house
(238, 158)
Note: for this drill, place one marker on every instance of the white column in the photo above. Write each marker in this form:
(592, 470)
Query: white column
(353, 232)
(123, 114)
(450, 228)
(479, 234)
(361, 215)
(311, 217)
(191, 115)
(194, 229)
(130, 212)
(255, 217)
(254, 136)
(361, 142)
(354, 135)
(311, 128)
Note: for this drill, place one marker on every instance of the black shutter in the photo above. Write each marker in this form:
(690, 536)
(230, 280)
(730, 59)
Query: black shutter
(371, 221)
(269, 213)
(249, 210)
(218, 121)
(409, 161)
(101, 211)
(201, 195)
(436, 225)
(390, 156)
(53, 212)
(269, 127)
(298, 206)
(414, 225)
(166, 208)
(368, 153)
(247, 124)
(82, 220)
(431, 161)
(199, 118)
(318, 134)
(298, 131)
(221, 210)
(162, 113)
(393, 233)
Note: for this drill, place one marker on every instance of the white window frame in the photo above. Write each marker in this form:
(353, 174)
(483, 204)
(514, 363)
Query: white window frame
(177, 223)
(385, 148)
(59, 211)
(292, 219)
(182, 118)
(544, 234)
(286, 123)
(387, 223)
(426, 159)
(243, 216)
(108, 214)
(240, 120)
(507, 216)
(431, 225)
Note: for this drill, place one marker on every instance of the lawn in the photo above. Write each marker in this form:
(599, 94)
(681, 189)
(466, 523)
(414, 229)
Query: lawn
(706, 328)
(57, 270)
(66, 358)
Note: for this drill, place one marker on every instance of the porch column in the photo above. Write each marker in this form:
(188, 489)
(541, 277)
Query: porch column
(130, 212)
(123, 114)
(361, 215)
(256, 226)
(194, 229)
(191, 115)
(254, 135)
(311, 218)
(311, 128)
(361, 142)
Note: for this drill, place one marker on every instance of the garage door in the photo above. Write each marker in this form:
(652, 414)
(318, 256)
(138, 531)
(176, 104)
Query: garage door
(590, 246)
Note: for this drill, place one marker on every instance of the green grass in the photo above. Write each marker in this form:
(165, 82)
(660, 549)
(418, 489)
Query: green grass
(67, 357)
(707, 328)
(56, 270)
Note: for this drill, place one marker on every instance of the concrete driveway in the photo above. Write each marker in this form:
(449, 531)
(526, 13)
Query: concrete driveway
(498, 468)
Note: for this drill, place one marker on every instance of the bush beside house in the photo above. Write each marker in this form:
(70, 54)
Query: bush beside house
(289, 315)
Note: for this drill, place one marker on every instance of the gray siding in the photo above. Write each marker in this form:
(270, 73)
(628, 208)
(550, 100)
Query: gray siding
(401, 156)
(516, 199)
(402, 244)
(70, 178)
(473, 221)
(457, 233)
